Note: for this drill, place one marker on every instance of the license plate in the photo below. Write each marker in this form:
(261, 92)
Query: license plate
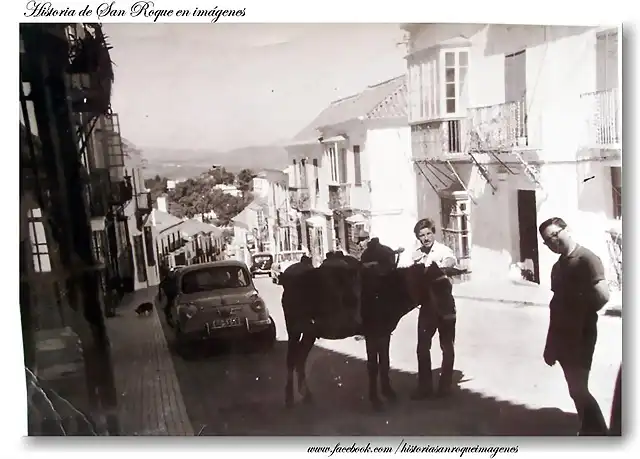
(224, 323)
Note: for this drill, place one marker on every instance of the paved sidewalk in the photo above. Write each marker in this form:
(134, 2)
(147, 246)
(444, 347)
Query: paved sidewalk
(149, 398)
(525, 293)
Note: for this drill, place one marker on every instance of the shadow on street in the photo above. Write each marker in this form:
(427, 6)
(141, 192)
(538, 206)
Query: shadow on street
(233, 390)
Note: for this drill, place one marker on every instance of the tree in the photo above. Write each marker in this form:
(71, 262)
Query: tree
(197, 196)
(157, 185)
(221, 176)
(245, 180)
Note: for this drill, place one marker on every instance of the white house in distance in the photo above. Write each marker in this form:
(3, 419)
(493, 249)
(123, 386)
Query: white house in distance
(272, 186)
(251, 231)
(511, 125)
(352, 170)
(228, 189)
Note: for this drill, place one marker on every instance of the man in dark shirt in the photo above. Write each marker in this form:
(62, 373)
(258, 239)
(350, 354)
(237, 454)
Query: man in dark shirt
(615, 423)
(579, 292)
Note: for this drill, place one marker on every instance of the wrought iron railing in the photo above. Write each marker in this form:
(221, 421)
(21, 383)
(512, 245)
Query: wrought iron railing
(434, 139)
(340, 196)
(497, 127)
(121, 192)
(300, 199)
(603, 117)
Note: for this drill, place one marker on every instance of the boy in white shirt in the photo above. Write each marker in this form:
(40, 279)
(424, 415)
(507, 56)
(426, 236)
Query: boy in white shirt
(440, 317)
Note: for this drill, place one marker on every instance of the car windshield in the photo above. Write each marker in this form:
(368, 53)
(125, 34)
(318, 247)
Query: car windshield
(261, 258)
(214, 278)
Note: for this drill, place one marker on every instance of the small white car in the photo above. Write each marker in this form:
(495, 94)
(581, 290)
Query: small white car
(282, 261)
(219, 300)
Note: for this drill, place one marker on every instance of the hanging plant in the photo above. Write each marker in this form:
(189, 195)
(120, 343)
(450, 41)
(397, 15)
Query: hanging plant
(92, 57)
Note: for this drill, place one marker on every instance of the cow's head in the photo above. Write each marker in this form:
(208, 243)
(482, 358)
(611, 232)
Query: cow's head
(423, 283)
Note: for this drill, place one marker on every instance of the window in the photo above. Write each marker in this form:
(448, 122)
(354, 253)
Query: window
(332, 157)
(203, 280)
(316, 181)
(31, 111)
(123, 235)
(437, 84)
(343, 166)
(303, 173)
(455, 75)
(138, 248)
(148, 241)
(357, 171)
(296, 181)
(455, 226)
(97, 242)
(607, 60)
(616, 189)
(515, 76)
(38, 238)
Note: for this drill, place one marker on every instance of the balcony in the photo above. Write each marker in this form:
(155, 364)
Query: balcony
(144, 202)
(111, 142)
(300, 199)
(603, 123)
(349, 196)
(497, 128)
(339, 197)
(121, 192)
(98, 194)
(442, 139)
(144, 207)
(89, 56)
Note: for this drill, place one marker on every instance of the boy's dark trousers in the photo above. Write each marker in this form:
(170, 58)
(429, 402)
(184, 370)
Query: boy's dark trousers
(428, 323)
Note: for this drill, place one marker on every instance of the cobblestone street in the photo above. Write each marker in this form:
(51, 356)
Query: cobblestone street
(505, 387)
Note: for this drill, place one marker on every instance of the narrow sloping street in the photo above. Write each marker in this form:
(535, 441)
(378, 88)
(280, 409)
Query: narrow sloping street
(505, 387)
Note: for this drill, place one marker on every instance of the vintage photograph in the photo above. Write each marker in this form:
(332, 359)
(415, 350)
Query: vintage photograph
(321, 229)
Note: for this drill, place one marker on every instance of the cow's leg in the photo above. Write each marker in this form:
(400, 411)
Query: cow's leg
(293, 346)
(301, 363)
(385, 382)
(372, 344)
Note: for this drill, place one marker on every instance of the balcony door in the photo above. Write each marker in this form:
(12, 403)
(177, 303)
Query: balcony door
(607, 61)
(515, 76)
(515, 91)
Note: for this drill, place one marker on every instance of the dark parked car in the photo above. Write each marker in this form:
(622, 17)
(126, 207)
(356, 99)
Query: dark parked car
(261, 263)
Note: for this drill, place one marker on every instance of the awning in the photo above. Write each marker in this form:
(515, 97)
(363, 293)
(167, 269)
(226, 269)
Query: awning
(316, 220)
(357, 218)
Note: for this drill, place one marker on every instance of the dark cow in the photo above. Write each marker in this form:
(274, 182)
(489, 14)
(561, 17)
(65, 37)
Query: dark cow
(344, 298)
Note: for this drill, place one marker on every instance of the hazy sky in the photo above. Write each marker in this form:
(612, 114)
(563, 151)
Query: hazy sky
(223, 86)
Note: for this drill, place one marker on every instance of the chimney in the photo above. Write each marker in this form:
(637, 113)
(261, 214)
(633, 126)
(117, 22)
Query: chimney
(161, 201)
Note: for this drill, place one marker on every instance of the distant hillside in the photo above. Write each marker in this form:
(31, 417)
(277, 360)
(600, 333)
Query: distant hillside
(173, 163)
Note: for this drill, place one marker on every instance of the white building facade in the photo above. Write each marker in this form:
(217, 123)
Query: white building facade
(352, 172)
(511, 125)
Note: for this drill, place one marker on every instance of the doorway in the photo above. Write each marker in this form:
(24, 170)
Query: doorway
(528, 229)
